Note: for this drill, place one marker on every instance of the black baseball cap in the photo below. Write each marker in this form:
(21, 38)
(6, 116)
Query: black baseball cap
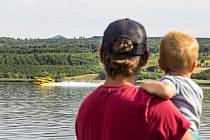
(125, 28)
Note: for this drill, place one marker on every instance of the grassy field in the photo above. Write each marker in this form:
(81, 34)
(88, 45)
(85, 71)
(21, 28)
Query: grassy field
(200, 69)
(82, 77)
(15, 80)
(202, 82)
(89, 77)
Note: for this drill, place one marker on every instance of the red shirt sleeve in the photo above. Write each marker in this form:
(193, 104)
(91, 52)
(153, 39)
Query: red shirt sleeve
(165, 121)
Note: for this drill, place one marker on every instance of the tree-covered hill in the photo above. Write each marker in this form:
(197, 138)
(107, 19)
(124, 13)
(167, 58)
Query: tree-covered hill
(28, 58)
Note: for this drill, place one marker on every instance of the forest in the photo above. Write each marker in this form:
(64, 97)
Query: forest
(29, 58)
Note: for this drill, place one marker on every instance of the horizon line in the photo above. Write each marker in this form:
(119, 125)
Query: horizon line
(75, 37)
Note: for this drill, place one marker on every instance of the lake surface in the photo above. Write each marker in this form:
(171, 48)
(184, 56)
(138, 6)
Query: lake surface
(30, 112)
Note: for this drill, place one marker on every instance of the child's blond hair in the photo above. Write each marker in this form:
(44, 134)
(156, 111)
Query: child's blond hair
(178, 53)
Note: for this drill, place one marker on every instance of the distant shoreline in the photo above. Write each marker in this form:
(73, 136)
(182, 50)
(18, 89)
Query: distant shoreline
(202, 82)
(88, 77)
(15, 80)
(199, 82)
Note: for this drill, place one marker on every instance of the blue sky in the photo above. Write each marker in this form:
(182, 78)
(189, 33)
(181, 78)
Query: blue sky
(74, 18)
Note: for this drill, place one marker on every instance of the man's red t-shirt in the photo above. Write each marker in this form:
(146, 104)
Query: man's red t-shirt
(128, 113)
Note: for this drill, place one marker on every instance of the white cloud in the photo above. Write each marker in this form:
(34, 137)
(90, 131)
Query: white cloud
(45, 18)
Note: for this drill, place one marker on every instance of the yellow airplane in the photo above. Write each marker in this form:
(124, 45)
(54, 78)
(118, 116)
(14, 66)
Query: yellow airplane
(43, 80)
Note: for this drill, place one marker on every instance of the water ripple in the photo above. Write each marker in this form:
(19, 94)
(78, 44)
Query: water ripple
(31, 112)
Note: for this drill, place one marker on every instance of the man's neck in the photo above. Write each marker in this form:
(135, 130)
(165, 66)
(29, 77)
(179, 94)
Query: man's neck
(120, 80)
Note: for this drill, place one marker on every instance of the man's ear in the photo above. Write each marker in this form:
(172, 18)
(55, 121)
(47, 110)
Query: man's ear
(147, 55)
(101, 54)
(144, 58)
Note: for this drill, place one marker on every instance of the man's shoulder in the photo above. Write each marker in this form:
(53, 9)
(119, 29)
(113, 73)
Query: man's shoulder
(153, 102)
(161, 107)
(160, 102)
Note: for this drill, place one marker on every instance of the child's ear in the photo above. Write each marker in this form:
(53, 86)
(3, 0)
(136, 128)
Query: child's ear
(160, 64)
(193, 66)
(162, 67)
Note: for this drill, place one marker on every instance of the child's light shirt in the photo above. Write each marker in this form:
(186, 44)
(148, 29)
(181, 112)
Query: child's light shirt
(188, 98)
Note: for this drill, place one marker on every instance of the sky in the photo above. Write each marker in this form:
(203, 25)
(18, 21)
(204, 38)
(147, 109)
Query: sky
(78, 18)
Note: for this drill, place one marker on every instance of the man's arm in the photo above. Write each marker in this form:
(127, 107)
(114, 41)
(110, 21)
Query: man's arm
(158, 88)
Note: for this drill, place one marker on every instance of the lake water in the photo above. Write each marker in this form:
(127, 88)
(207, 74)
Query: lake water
(30, 112)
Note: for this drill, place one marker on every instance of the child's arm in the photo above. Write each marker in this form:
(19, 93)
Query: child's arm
(158, 88)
